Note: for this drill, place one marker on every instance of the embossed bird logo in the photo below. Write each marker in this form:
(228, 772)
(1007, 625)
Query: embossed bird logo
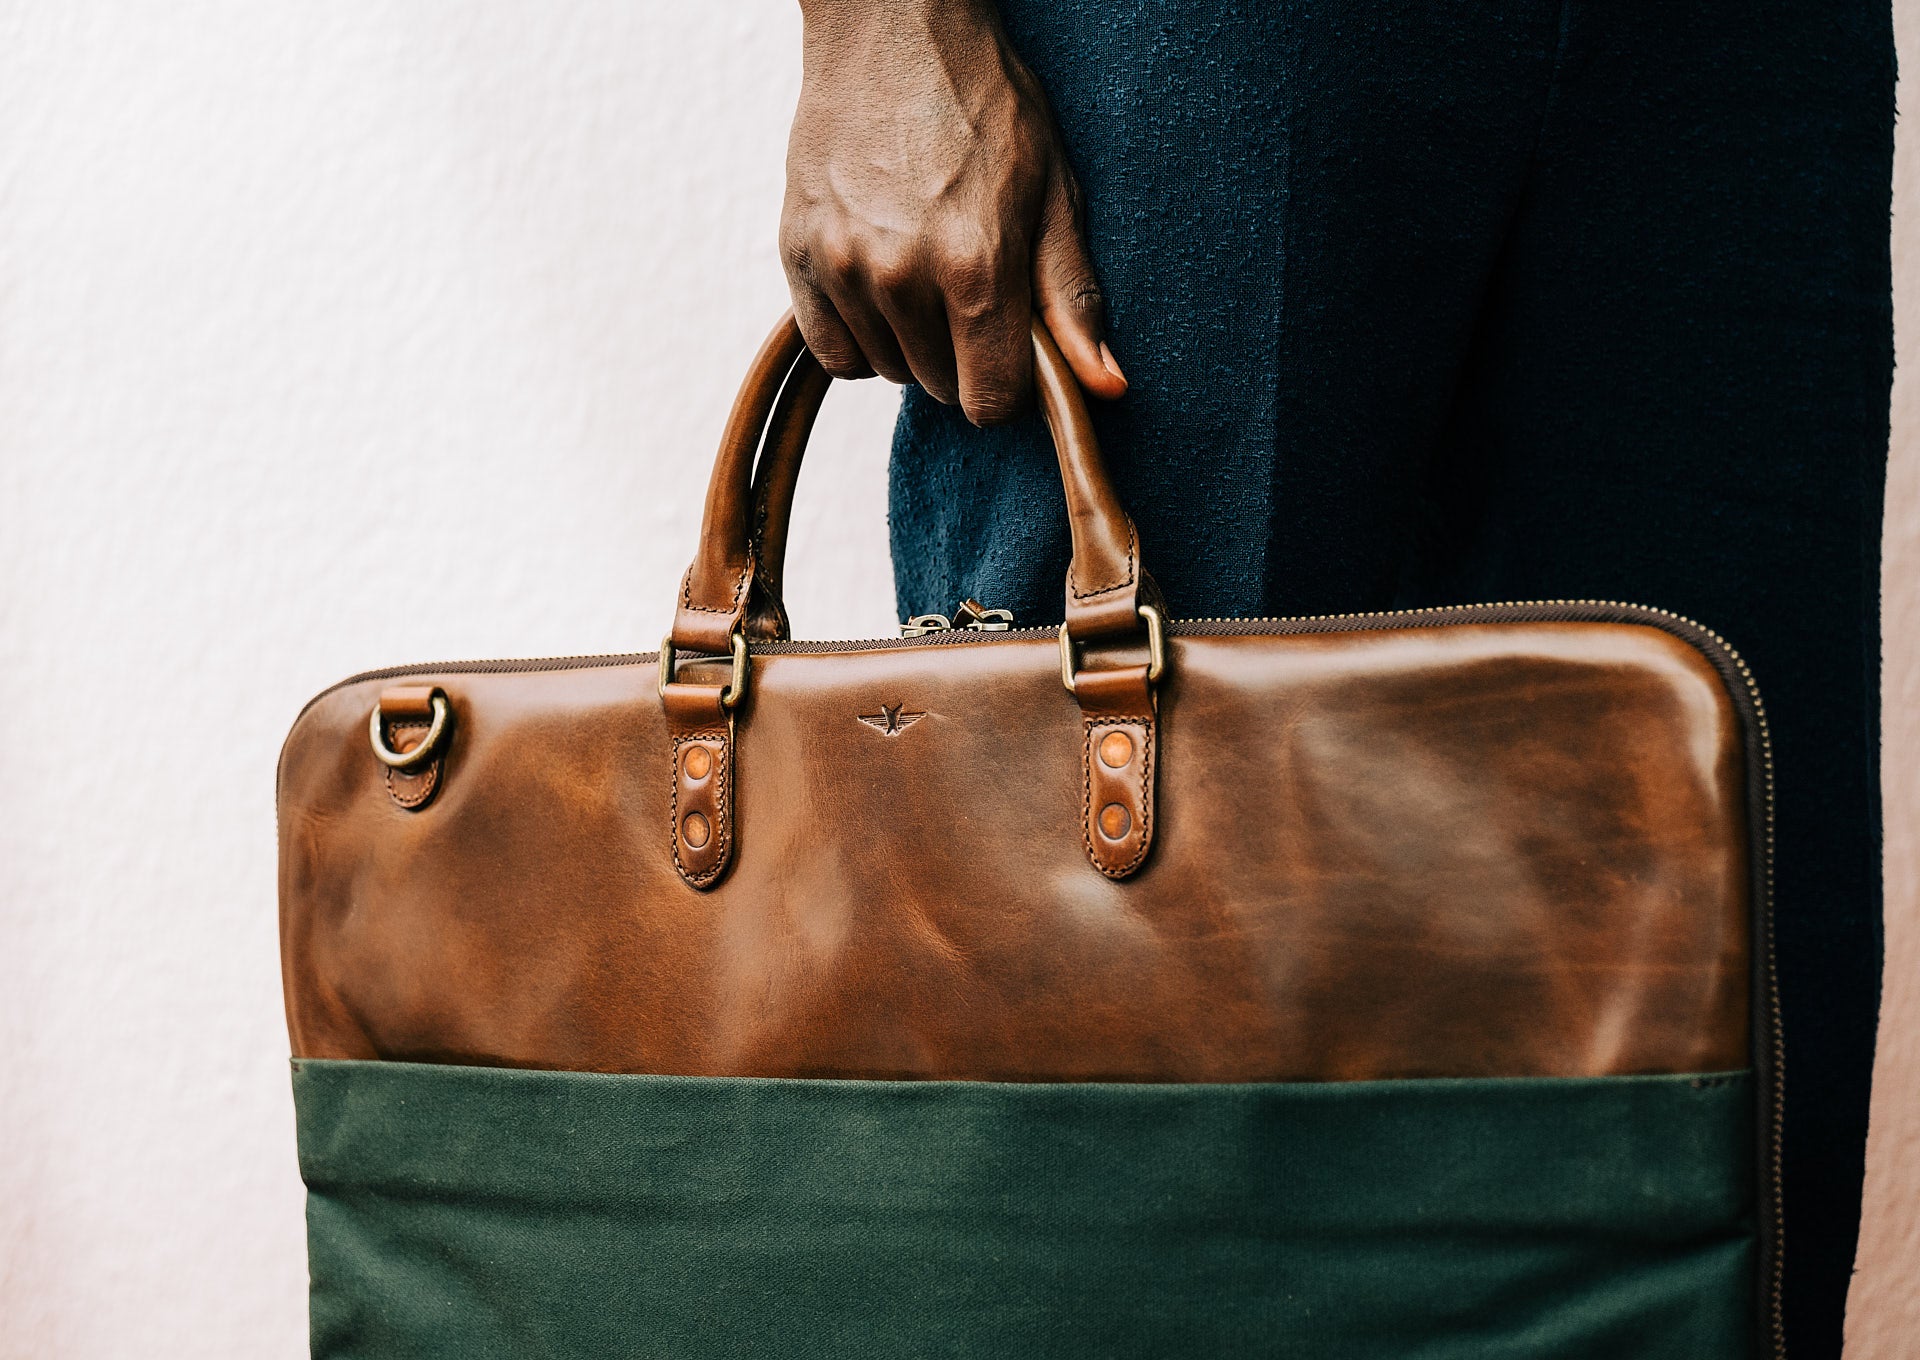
(892, 719)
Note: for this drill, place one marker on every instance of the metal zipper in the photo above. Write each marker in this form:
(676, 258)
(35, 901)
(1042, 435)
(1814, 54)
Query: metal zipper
(1769, 1046)
(968, 614)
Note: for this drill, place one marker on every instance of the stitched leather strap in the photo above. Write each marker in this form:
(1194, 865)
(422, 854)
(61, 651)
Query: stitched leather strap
(734, 585)
(701, 809)
(775, 480)
(406, 716)
(735, 578)
(715, 591)
(1118, 762)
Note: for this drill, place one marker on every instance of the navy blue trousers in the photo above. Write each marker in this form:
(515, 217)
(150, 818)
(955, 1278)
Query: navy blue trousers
(1435, 303)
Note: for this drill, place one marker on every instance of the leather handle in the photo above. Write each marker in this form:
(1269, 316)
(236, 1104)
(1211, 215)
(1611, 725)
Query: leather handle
(734, 582)
(714, 592)
(732, 592)
(775, 480)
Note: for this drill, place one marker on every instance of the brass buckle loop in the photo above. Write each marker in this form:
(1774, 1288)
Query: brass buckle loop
(421, 751)
(736, 688)
(1156, 649)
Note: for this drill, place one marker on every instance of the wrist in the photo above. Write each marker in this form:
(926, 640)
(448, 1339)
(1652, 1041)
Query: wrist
(832, 18)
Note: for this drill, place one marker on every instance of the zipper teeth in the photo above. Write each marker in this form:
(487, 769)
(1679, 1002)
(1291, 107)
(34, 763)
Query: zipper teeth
(1777, 1077)
(949, 637)
(1769, 976)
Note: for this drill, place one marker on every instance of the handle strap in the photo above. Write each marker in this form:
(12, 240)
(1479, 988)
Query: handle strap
(715, 591)
(775, 480)
(734, 582)
(731, 595)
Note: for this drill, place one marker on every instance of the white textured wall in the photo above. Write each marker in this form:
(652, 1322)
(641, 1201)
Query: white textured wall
(334, 335)
(331, 335)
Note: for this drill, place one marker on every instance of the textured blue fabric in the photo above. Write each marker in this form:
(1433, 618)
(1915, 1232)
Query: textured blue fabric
(1429, 304)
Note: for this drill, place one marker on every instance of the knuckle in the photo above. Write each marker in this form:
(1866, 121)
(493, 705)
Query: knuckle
(990, 408)
(883, 355)
(1075, 293)
(968, 251)
(897, 374)
(835, 354)
(941, 391)
(892, 270)
(796, 253)
(836, 267)
(984, 317)
(1084, 297)
(822, 257)
(840, 364)
(980, 291)
(825, 264)
(976, 287)
(994, 398)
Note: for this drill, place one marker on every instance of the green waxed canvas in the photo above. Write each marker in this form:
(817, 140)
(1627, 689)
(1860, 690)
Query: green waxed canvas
(477, 1212)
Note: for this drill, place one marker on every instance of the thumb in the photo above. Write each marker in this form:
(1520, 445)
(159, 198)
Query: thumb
(1068, 295)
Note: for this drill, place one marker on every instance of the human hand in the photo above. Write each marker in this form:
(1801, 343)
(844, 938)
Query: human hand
(930, 208)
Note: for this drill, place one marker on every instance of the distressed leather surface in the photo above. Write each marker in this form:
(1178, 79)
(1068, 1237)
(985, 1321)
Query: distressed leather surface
(1508, 850)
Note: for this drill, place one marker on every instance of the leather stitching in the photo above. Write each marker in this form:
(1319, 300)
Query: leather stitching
(760, 536)
(1143, 790)
(721, 829)
(739, 590)
(768, 582)
(423, 780)
(722, 823)
(1133, 543)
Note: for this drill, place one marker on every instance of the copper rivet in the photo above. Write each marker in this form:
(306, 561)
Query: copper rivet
(1116, 749)
(696, 830)
(698, 762)
(1114, 821)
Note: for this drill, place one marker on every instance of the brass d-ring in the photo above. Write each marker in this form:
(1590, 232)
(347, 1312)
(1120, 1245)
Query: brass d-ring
(1156, 649)
(422, 751)
(735, 689)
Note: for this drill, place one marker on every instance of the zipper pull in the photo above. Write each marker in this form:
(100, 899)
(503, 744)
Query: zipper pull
(970, 616)
(976, 616)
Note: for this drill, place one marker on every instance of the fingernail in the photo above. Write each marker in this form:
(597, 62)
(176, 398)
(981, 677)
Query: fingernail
(1108, 362)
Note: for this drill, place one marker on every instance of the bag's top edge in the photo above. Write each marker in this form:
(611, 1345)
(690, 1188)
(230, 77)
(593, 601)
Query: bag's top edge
(1516, 611)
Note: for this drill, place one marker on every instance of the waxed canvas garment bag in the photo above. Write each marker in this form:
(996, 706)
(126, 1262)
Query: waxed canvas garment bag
(1368, 986)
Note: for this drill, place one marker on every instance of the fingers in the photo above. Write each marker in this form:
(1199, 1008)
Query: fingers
(953, 320)
(862, 316)
(848, 290)
(914, 310)
(820, 324)
(954, 315)
(989, 316)
(1068, 293)
(834, 309)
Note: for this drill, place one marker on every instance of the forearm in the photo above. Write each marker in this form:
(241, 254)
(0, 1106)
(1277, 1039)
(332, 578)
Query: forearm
(825, 16)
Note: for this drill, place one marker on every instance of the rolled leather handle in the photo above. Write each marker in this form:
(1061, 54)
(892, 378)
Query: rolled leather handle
(715, 592)
(731, 594)
(734, 582)
(776, 478)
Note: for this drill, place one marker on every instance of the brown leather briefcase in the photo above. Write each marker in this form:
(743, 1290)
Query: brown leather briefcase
(1359, 985)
